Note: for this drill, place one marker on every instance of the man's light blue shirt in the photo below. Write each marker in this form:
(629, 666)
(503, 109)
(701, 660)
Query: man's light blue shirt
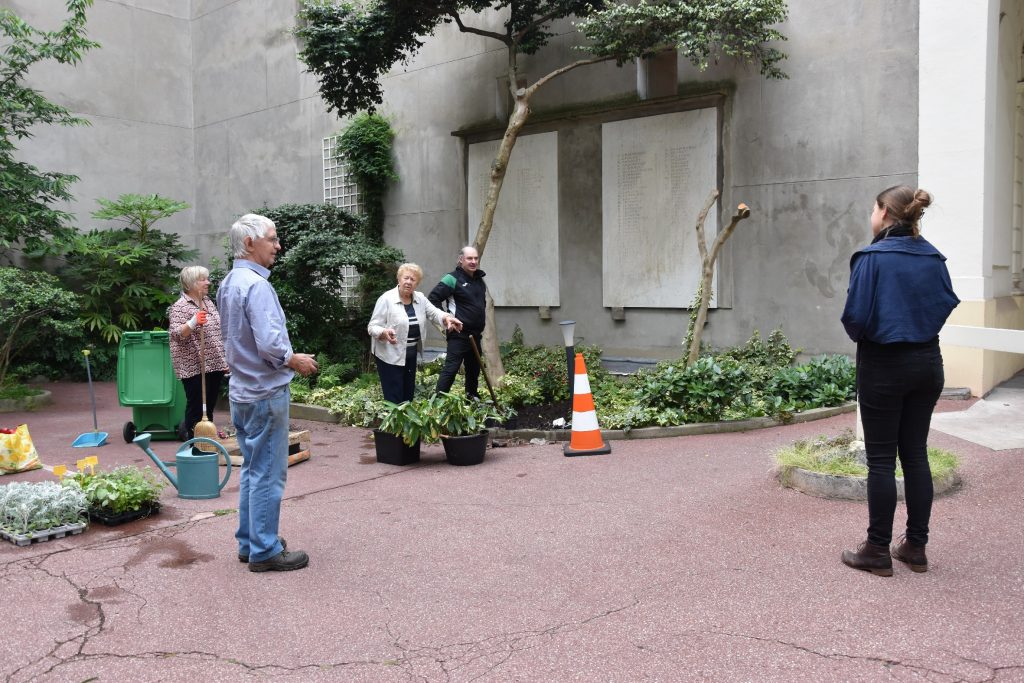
(256, 343)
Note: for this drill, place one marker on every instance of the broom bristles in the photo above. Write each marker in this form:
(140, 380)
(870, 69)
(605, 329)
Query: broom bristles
(207, 429)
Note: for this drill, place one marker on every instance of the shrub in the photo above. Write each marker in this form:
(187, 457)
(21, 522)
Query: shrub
(702, 391)
(824, 381)
(128, 277)
(34, 311)
(318, 242)
(546, 366)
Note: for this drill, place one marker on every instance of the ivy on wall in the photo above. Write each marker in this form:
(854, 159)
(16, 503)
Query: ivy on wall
(366, 147)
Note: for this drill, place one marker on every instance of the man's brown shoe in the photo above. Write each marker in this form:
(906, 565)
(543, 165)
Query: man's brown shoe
(911, 555)
(284, 561)
(870, 558)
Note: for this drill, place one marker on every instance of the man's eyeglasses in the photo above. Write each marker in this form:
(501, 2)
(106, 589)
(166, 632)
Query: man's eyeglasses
(273, 240)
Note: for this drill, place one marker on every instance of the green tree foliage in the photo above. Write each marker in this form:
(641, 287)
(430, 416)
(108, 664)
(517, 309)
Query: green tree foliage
(26, 192)
(34, 310)
(317, 242)
(366, 148)
(127, 277)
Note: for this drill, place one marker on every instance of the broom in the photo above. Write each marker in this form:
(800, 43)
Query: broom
(204, 427)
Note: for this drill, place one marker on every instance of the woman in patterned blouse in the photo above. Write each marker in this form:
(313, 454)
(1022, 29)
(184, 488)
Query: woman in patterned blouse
(195, 310)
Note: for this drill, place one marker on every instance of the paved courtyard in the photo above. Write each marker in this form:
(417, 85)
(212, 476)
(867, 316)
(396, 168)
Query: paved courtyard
(667, 560)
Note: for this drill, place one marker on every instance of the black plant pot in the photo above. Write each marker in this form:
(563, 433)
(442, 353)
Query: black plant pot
(391, 450)
(465, 450)
(113, 519)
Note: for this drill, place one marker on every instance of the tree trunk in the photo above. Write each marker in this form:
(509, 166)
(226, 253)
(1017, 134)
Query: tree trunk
(499, 167)
(708, 268)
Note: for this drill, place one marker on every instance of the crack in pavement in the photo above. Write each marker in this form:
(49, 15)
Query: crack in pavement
(885, 661)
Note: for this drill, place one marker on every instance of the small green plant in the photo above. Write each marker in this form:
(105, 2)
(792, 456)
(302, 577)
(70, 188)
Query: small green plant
(33, 506)
(122, 489)
(834, 456)
(442, 414)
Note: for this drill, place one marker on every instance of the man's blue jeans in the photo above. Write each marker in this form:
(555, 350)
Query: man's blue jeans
(262, 429)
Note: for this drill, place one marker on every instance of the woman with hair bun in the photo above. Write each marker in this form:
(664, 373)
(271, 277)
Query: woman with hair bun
(899, 298)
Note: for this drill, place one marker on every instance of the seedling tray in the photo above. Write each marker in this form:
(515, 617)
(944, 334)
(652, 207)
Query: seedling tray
(43, 535)
(112, 519)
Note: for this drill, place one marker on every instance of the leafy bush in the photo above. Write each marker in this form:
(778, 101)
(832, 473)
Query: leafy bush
(34, 311)
(359, 404)
(128, 277)
(824, 381)
(763, 357)
(546, 366)
(122, 489)
(318, 242)
(517, 391)
(702, 391)
(27, 507)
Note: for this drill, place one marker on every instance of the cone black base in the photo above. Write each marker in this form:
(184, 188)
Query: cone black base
(569, 452)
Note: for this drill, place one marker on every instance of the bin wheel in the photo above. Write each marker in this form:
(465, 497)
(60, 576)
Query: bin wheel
(129, 431)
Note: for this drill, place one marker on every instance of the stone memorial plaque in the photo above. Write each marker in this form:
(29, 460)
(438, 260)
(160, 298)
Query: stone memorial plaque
(521, 257)
(656, 173)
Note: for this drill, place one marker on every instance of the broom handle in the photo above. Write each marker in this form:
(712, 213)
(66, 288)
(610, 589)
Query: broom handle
(483, 370)
(202, 366)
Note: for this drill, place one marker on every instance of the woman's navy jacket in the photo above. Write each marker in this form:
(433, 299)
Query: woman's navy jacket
(900, 291)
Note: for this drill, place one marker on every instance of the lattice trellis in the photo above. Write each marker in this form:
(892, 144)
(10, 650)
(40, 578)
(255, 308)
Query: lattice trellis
(341, 190)
(340, 187)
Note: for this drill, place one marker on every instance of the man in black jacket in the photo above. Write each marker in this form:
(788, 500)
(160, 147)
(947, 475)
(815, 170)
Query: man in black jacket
(462, 293)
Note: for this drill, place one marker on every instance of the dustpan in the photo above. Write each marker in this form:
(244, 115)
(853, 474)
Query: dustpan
(95, 437)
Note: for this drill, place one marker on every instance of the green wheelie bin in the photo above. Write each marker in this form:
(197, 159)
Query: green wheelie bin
(146, 383)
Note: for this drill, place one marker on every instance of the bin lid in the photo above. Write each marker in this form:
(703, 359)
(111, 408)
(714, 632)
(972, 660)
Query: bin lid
(145, 376)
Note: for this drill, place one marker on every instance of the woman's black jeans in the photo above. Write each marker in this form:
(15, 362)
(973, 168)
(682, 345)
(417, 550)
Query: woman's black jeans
(194, 399)
(398, 382)
(897, 388)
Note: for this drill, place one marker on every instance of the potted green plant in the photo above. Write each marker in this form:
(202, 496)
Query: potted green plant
(397, 440)
(39, 511)
(459, 424)
(119, 495)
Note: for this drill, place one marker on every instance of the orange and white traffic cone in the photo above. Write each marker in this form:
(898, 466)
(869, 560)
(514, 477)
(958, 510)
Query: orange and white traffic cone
(586, 433)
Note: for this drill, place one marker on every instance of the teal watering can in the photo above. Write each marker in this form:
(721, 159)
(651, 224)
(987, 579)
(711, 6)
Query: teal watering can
(197, 472)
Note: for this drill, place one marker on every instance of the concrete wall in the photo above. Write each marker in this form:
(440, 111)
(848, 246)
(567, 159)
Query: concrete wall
(807, 154)
(136, 90)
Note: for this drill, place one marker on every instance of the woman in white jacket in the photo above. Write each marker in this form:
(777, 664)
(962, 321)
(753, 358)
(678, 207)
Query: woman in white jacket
(395, 332)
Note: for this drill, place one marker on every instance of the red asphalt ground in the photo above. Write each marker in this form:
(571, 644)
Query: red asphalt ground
(675, 559)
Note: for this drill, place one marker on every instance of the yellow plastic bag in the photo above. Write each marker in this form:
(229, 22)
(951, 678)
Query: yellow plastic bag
(17, 452)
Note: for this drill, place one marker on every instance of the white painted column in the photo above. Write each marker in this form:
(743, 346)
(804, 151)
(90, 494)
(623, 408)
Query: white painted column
(956, 135)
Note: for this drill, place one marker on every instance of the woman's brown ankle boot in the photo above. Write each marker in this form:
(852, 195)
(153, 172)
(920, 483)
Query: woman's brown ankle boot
(870, 558)
(911, 555)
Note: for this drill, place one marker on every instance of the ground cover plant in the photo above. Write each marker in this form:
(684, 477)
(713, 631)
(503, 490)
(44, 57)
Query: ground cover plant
(835, 456)
(34, 506)
(122, 489)
(755, 379)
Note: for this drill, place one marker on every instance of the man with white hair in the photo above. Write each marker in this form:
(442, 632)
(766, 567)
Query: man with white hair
(262, 364)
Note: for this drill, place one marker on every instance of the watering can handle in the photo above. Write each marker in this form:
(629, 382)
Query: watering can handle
(222, 451)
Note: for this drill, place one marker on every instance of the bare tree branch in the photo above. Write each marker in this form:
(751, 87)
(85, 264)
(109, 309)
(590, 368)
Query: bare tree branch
(479, 31)
(561, 70)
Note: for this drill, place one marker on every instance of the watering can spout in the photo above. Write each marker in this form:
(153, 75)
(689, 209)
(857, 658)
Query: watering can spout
(142, 441)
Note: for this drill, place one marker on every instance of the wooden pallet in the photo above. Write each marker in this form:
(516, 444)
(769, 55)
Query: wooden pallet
(298, 448)
(44, 535)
